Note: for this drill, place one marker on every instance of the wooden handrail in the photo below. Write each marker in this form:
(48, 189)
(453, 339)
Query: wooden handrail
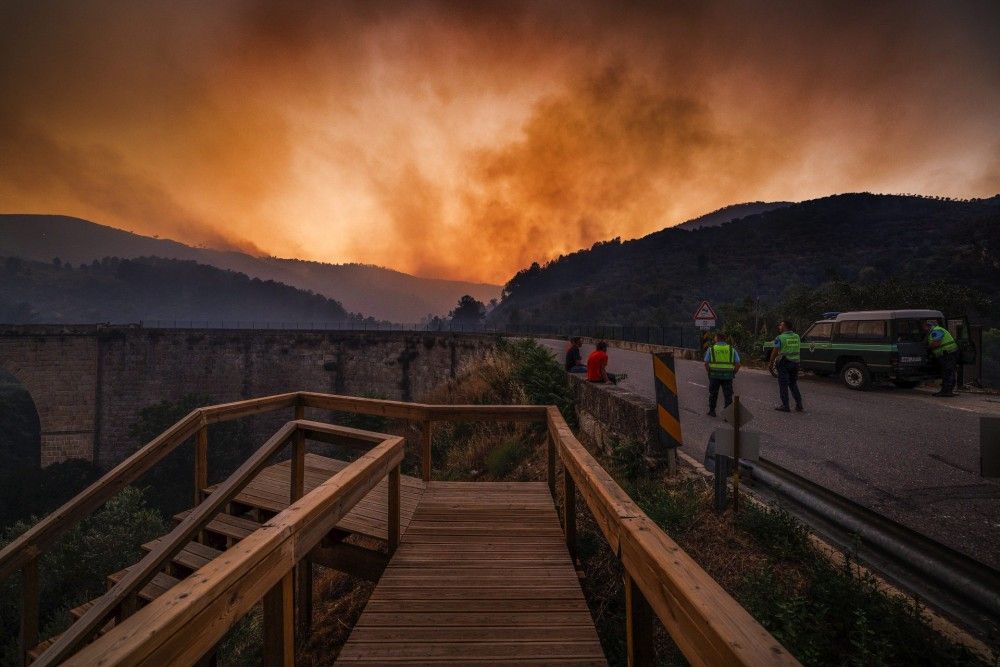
(183, 624)
(708, 625)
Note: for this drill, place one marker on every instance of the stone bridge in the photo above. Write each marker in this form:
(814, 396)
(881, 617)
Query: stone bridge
(90, 382)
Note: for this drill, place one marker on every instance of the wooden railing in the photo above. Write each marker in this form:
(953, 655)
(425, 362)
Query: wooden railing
(707, 624)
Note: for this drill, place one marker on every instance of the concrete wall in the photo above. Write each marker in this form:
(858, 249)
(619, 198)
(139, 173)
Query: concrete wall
(678, 352)
(90, 383)
(608, 413)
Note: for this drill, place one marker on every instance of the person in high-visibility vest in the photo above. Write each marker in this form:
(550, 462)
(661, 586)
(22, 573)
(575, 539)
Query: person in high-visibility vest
(943, 348)
(786, 351)
(722, 362)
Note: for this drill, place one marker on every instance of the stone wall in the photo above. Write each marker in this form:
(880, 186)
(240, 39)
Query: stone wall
(89, 383)
(608, 413)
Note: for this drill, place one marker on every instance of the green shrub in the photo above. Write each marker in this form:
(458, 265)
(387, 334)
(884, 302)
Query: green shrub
(778, 533)
(506, 456)
(73, 570)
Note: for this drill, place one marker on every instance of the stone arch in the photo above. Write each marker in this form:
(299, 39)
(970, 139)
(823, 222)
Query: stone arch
(20, 425)
(59, 372)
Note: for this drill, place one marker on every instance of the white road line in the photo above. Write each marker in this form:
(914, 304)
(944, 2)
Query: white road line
(703, 386)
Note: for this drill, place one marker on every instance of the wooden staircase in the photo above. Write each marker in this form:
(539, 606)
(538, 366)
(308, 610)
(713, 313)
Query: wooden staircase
(265, 496)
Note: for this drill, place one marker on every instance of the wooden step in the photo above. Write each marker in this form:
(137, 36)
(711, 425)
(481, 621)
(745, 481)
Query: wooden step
(159, 585)
(38, 650)
(231, 527)
(192, 557)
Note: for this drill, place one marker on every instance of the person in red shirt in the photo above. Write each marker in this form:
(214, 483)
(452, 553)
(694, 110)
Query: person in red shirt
(597, 365)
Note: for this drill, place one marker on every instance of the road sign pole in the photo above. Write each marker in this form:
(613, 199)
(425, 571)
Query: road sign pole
(736, 453)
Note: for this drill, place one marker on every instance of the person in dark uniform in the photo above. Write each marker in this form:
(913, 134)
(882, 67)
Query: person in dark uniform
(786, 351)
(722, 362)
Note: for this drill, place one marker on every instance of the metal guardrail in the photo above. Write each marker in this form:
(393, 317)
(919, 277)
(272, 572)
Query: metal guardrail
(948, 580)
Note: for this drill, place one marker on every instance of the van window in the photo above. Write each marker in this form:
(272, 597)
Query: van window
(863, 329)
(848, 329)
(911, 330)
(872, 329)
(819, 331)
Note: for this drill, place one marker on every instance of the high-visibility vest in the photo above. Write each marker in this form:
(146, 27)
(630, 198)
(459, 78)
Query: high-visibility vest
(790, 345)
(948, 343)
(721, 362)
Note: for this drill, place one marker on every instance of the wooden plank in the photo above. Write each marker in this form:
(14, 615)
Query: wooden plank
(279, 626)
(467, 620)
(426, 438)
(200, 464)
(483, 650)
(569, 513)
(550, 466)
(638, 627)
(226, 525)
(389, 633)
(394, 510)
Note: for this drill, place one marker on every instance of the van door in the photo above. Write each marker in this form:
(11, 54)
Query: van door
(816, 352)
(913, 358)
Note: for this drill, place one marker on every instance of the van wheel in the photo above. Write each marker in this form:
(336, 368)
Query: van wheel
(856, 375)
(906, 384)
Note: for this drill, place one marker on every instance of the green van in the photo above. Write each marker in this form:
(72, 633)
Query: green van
(869, 346)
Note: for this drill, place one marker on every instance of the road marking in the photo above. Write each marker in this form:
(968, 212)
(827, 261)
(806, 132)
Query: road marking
(703, 386)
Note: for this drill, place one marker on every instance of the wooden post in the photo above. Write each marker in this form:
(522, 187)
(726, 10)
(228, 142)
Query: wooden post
(302, 573)
(279, 630)
(304, 595)
(200, 465)
(638, 625)
(394, 505)
(551, 445)
(425, 451)
(569, 513)
(29, 608)
(736, 453)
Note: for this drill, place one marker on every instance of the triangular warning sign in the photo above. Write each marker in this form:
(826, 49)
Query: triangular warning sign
(705, 312)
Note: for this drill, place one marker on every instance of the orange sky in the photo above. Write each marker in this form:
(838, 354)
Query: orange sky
(462, 141)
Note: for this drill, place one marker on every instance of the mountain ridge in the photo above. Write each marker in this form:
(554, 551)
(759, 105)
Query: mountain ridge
(660, 278)
(382, 293)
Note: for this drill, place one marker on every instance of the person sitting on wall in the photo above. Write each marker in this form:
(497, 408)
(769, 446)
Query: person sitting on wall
(574, 360)
(597, 365)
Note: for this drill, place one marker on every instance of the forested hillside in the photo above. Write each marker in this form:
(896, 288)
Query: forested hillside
(660, 278)
(129, 290)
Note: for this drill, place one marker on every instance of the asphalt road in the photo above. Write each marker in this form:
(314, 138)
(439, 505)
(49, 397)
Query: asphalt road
(902, 453)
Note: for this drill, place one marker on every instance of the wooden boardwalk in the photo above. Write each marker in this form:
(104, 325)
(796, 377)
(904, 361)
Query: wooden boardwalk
(482, 576)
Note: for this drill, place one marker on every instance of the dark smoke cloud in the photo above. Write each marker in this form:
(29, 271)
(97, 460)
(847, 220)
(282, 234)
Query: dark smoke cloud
(468, 139)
